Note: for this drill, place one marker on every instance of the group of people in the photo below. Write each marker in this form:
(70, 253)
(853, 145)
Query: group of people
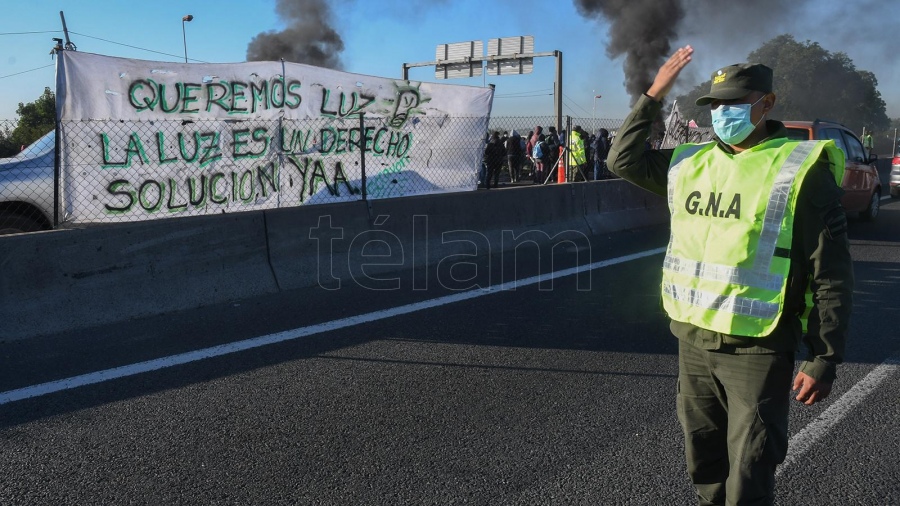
(541, 151)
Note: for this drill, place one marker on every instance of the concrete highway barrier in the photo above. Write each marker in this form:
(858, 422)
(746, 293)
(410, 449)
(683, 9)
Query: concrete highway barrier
(68, 279)
(64, 279)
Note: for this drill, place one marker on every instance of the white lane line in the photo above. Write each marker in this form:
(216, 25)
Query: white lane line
(812, 433)
(288, 335)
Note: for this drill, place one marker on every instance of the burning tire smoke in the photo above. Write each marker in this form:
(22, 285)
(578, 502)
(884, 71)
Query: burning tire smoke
(642, 30)
(309, 37)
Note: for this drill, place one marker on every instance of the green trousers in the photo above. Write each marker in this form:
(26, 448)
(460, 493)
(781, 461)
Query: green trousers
(734, 412)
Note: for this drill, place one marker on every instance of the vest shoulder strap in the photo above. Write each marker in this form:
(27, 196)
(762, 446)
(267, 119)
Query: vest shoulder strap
(685, 151)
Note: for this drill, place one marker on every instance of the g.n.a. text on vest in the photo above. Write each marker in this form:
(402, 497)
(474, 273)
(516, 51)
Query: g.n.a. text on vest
(712, 205)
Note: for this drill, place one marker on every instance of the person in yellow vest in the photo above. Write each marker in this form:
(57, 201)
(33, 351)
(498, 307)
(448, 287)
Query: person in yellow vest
(577, 155)
(868, 143)
(756, 222)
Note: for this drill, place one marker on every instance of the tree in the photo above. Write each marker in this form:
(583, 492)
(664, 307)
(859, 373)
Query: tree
(810, 83)
(7, 147)
(35, 119)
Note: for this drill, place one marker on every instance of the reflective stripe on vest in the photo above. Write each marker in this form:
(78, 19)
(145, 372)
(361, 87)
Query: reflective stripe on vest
(754, 292)
(735, 305)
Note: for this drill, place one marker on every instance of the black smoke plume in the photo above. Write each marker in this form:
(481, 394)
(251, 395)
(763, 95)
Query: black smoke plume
(642, 30)
(309, 37)
(723, 33)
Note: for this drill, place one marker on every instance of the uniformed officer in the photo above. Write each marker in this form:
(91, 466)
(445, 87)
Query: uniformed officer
(577, 156)
(869, 143)
(756, 224)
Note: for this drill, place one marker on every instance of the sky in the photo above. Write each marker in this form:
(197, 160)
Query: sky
(378, 37)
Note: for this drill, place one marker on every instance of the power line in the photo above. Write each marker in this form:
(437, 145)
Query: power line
(524, 96)
(576, 103)
(92, 37)
(26, 71)
(133, 47)
(29, 33)
(519, 93)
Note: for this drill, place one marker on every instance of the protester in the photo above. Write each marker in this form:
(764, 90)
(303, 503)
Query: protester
(494, 155)
(553, 144)
(756, 221)
(529, 147)
(482, 172)
(589, 139)
(868, 143)
(599, 149)
(515, 156)
(533, 138)
(540, 154)
(525, 155)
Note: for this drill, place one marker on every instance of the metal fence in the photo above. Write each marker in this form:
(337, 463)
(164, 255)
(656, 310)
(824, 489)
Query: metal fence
(114, 172)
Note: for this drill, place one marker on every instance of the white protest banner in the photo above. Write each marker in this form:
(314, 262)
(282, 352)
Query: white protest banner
(673, 124)
(144, 140)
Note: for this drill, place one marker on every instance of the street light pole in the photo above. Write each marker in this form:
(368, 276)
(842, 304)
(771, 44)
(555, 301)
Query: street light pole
(189, 17)
(594, 118)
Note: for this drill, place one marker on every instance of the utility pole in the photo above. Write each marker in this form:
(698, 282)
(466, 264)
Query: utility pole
(559, 89)
(69, 45)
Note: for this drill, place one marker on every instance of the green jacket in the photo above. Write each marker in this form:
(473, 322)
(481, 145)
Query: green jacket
(820, 253)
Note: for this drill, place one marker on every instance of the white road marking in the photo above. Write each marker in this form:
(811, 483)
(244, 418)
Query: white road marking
(798, 445)
(802, 441)
(288, 335)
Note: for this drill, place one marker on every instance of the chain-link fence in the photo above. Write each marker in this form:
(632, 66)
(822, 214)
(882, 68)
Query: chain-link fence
(132, 171)
(112, 171)
(158, 169)
(546, 172)
(526, 124)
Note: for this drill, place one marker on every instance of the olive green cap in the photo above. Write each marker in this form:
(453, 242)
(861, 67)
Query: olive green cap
(736, 81)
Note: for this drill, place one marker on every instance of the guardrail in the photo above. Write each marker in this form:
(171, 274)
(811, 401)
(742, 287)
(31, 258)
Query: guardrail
(74, 278)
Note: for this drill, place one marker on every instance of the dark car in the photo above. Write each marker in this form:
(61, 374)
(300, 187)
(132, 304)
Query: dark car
(862, 186)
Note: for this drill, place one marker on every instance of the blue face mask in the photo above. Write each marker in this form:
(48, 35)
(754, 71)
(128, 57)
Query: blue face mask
(732, 123)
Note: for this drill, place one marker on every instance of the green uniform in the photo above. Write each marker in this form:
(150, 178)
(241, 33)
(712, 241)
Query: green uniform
(734, 390)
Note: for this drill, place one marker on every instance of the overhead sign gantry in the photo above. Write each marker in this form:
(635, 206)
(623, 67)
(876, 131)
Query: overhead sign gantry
(505, 56)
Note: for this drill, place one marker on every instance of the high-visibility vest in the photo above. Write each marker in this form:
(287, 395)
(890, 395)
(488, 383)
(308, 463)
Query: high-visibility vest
(577, 155)
(728, 258)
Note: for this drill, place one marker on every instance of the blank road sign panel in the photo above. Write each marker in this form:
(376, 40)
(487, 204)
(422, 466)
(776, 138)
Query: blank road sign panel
(510, 46)
(459, 51)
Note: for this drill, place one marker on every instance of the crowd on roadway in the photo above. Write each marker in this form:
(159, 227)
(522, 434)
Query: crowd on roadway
(537, 156)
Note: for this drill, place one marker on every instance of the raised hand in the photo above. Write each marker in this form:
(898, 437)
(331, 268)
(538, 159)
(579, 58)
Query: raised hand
(669, 71)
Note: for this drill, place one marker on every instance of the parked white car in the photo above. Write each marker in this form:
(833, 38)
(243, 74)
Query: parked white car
(26, 188)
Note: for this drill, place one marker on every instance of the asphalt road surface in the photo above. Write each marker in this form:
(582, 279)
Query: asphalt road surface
(456, 386)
